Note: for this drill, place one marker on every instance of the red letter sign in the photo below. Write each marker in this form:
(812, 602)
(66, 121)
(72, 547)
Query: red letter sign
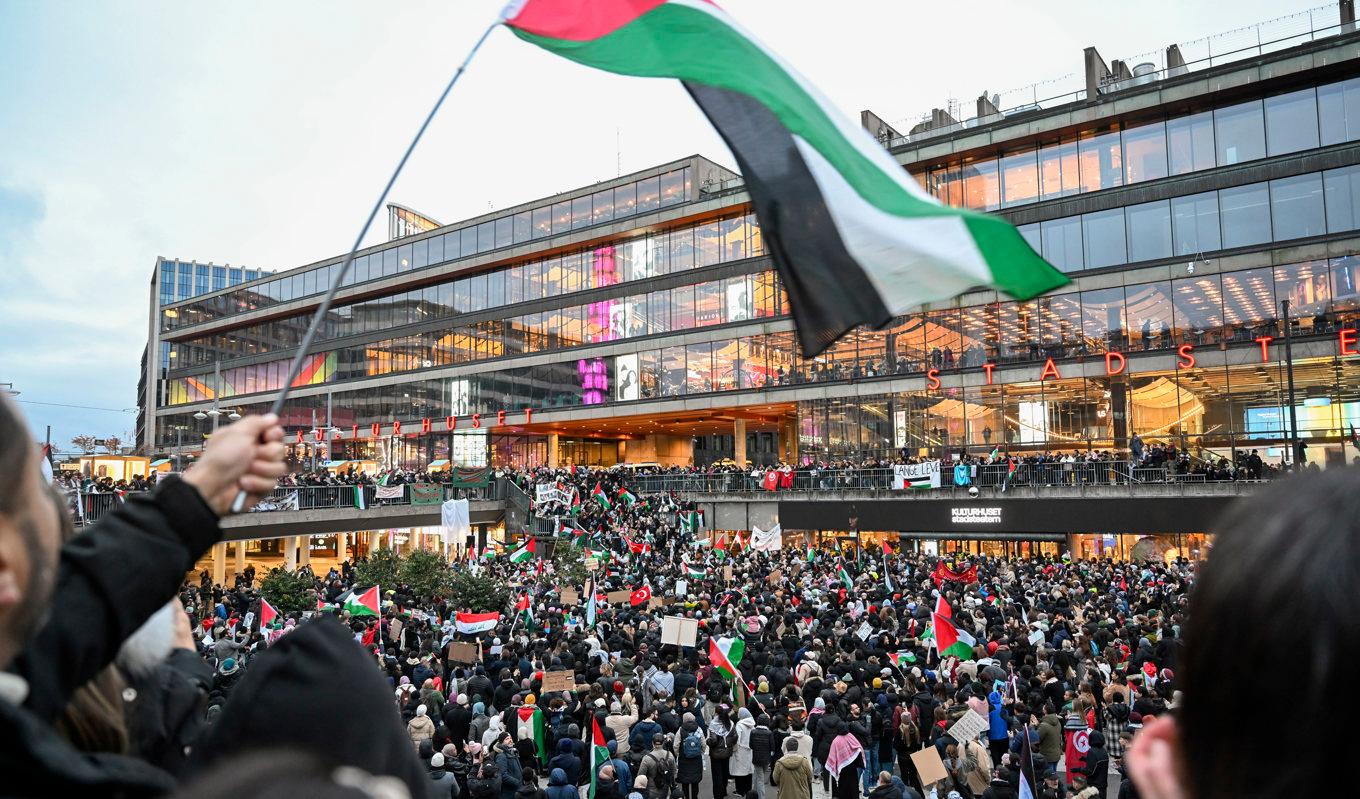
(988, 367)
(449, 422)
(396, 427)
(1186, 351)
(528, 415)
(377, 430)
(932, 379)
(1050, 370)
(1110, 359)
(1264, 341)
(425, 425)
(476, 420)
(1347, 335)
(500, 417)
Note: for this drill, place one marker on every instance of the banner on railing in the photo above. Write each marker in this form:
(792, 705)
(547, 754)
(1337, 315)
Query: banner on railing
(288, 501)
(916, 475)
(426, 494)
(469, 478)
(549, 492)
(771, 540)
(453, 516)
(391, 492)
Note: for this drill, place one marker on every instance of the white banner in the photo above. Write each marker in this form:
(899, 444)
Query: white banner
(453, 514)
(549, 492)
(390, 492)
(288, 501)
(916, 475)
(771, 540)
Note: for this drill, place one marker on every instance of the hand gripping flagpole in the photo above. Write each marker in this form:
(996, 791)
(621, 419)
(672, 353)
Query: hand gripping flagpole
(239, 503)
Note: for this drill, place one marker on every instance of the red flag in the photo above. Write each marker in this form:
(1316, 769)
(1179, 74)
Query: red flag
(523, 603)
(636, 547)
(1078, 744)
(887, 550)
(641, 595)
(786, 479)
(319, 604)
(771, 481)
(942, 608)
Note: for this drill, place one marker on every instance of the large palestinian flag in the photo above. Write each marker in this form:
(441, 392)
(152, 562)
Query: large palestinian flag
(856, 240)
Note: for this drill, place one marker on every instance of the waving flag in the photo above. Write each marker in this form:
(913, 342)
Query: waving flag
(856, 240)
(524, 553)
(365, 604)
(600, 496)
(950, 640)
(725, 655)
(267, 614)
(640, 596)
(626, 497)
(470, 623)
(599, 753)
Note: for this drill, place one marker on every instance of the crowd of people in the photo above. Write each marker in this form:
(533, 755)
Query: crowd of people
(791, 672)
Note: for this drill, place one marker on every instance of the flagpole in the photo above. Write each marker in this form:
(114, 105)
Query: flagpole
(239, 503)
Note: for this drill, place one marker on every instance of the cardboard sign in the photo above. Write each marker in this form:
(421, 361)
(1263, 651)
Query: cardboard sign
(558, 681)
(657, 602)
(969, 727)
(615, 597)
(570, 596)
(592, 564)
(865, 630)
(680, 631)
(929, 765)
(776, 577)
(727, 573)
(462, 652)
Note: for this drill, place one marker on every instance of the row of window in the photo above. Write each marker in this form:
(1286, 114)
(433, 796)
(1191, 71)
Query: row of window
(194, 279)
(678, 309)
(1234, 307)
(1243, 216)
(1096, 160)
(643, 196)
(651, 255)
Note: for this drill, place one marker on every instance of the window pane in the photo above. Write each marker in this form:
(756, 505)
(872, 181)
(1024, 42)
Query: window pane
(648, 195)
(1308, 289)
(1296, 207)
(1199, 309)
(1058, 172)
(707, 240)
(1339, 111)
(981, 189)
(1240, 133)
(1291, 122)
(681, 249)
(1249, 302)
(673, 187)
(1020, 178)
(505, 235)
(946, 183)
(523, 227)
(580, 212)
(1190, 142)
(486, 236)
(1145, 153)
(1103, 235)
(561, 217)
(602, 206)
(1245, 215)
(1194, 222)
(625, 200)
(1031, 234)
(1062, 243)
(1149, 230)
(1102, 319)
(1148, 315)
(1342, 190)
(1101, 167)
(699, 362)
(542, 220)
(467, 242)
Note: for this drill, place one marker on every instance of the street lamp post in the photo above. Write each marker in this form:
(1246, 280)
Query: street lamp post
(215, 411)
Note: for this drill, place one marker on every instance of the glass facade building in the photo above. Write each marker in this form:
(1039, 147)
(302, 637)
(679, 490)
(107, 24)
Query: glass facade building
(642, 319)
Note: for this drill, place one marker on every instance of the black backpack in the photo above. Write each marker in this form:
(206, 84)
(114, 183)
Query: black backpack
(665, 772)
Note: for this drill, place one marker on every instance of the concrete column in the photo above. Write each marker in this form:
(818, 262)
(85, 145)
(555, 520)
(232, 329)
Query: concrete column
(341, 544)
(739, 442)
(240, 556)
(219, 563)
(290, 547)
(304, 550)
(552, 450)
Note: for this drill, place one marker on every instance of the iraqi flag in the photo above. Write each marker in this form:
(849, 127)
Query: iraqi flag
(473, 623)
(365, 604)
(640, 596)
(855, 238)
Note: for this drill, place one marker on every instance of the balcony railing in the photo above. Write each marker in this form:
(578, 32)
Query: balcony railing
(93, 506)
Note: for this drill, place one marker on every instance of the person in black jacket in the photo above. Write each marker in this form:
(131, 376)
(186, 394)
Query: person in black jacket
(111, 579)
(1097, 768)
(762, 753)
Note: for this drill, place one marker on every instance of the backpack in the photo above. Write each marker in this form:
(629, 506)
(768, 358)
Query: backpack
(665, 772)
(483, 786)
(692, 746)
(720, 746)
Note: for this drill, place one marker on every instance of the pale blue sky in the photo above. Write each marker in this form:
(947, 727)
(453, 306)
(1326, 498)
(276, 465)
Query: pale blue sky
(258, 133)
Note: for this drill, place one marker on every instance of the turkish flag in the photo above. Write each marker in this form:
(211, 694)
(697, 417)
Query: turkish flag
(786, 479)
(771, 481)
(641, 595)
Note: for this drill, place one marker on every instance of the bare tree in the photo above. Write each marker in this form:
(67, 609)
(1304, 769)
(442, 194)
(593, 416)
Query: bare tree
(113, 444)
(84, 443)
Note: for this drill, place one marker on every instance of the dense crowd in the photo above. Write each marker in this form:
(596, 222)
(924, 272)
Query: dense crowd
(761, 668)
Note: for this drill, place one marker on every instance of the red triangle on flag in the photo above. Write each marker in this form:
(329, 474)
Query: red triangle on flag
(267, 613)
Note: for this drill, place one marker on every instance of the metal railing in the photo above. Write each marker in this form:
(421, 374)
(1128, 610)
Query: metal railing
(993, 477)
(93, 506)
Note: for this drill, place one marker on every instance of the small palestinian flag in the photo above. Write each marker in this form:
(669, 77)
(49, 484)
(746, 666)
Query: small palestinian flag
(626, 497)
(950, 640)
(725, 655)
(523, 606)
(900, 658)
(267, 614)
(365, 604)
(599, 753)
(524, 553)
(691, 521)
(856, 239)
(811, 554)
(845, 578)
(359, 501)
(694, 572)
(600, 496)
